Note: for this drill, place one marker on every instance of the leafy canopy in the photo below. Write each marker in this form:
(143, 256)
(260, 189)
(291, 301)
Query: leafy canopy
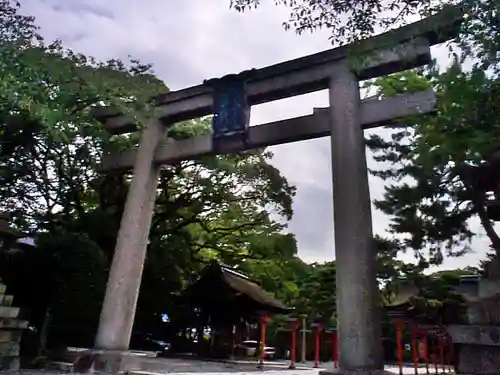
(227, 207)
(350, 21)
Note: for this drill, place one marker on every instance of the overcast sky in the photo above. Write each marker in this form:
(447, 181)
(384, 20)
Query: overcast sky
(191, 40)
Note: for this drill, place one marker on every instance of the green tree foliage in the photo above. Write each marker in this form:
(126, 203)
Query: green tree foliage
(310, 288)
(214, 208)
(437, 296)
(350, 21)
(424, 196)
(57, 86)
(60, 283)
(347, 20)
(49, 142)
(230, 208)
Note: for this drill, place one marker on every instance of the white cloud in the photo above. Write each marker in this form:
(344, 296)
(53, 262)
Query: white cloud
(191, 40)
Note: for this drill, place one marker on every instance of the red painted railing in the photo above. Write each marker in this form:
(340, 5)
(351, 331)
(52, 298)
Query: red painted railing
(431, 349)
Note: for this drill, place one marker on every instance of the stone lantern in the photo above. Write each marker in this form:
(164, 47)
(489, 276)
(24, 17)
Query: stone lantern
(11, 327)
(478, 341)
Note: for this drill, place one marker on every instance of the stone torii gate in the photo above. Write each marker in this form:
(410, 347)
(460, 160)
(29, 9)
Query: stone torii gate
(345, 119)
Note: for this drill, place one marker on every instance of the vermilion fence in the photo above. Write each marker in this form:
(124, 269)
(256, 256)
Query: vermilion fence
(430, 345)
(428, 348)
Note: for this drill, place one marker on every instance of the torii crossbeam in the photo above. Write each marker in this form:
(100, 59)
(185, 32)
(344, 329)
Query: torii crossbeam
(344, 121)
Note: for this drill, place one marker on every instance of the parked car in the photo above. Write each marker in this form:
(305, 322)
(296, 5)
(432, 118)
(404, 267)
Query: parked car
(250, 348)
(145, 341)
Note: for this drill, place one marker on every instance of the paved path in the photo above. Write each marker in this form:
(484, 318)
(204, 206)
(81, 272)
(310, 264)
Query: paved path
(394, 369)
(189, 367)
(406, 371)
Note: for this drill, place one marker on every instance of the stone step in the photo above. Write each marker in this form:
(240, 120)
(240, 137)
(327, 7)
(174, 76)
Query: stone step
(10, 335)
(9, 312)
(9, 349)
(6, 299)
(10, 363)
(9, 323)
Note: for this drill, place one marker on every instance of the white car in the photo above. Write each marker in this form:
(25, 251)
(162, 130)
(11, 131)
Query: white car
(250, 349)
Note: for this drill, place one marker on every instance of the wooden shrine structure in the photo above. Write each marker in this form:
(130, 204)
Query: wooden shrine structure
(230, 99)
(229, 302)
(228, 297)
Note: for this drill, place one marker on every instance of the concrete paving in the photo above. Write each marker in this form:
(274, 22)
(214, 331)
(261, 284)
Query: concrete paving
(223, 369)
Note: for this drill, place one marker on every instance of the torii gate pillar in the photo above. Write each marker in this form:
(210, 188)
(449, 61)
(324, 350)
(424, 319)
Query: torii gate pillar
(122, 291)
(357, 291)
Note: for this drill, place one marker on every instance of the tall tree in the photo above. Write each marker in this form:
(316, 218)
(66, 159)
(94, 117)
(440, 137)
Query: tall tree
(424, 196)
(227, 207)
(350, 21)
(50, 143)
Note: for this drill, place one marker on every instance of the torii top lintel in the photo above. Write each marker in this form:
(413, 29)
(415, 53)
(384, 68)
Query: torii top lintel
(309, 73)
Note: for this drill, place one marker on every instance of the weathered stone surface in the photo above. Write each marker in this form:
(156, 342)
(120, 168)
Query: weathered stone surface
(489, 288)
(9, 312)
(308, 73)
(478, 343)
(475, 335)
(13, 324)
(100, 362)
(373, 113)
(10, 363)
(10, 336)
(484, 312)
(358, 312)
(6, 300)
(476, 359)
(122, 290)
(9, 349)
(11, 330)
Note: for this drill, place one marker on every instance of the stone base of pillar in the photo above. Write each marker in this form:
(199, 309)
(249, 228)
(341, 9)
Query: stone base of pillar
(356, 372)
(108, 362)
(100, 362)
(477, 344)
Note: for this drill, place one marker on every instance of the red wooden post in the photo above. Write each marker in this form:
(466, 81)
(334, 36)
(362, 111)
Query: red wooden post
(441, 352)
(426, 351)
(399, 323)
(316, 345)
(435, 358)
(449, 349)
(292, 353)
(335, 349)
(263, 329)
(452, 357)
(295, 326)
(414, 348)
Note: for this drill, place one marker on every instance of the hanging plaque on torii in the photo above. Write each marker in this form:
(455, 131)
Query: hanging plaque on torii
(231, 111)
